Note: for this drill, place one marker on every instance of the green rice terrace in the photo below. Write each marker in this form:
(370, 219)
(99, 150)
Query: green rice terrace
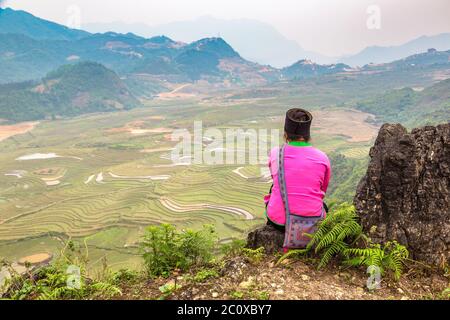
(101, 179)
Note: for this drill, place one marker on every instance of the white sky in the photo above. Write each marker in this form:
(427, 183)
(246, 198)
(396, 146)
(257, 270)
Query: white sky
(330, 27)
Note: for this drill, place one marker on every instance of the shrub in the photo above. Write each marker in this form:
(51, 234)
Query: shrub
(65, 278)
(205, 274)
(254, 255)
(236, 295)
(445, 294)
(263, 295)
(165, 249)
(124, 276)
(168, 289)
(233, 248)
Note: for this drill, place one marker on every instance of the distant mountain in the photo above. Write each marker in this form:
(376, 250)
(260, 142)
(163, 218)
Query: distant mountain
(254, 40)
(69, 91)
(306, 69)
(431, 57)
(203, 57)
(21, 22)
(411, 107)
(211, 59)
(378, 54)
(160, 59)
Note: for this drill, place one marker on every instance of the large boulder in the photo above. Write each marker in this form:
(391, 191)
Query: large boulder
(405, 193)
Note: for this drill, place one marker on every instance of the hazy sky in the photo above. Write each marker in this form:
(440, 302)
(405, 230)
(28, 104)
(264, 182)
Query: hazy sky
(330, 27)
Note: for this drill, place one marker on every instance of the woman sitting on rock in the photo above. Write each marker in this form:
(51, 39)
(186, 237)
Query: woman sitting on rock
(305, 178)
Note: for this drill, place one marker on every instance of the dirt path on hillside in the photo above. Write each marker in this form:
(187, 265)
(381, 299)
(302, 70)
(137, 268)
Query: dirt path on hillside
(176, 93)
(7, 131)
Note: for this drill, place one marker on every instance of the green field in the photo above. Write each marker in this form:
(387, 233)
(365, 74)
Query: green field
(98, 190)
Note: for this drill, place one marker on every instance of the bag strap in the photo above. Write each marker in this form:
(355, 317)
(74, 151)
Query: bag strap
(282, 184)
(270, 193)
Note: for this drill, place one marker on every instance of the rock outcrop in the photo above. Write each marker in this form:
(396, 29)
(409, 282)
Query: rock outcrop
(268, 237)
(405, 193)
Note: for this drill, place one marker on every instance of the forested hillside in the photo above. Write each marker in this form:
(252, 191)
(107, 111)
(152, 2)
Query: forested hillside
(71, 90)
(411, 107)
(346, 174)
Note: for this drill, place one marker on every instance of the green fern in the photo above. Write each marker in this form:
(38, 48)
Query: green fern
(391, 257)
(103, 289)
(331, 251)
(335, 233)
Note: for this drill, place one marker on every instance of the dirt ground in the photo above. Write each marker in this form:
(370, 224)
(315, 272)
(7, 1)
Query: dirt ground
(293, 280)
(36, 258)
(348, 123)
(7, 131)
(177, 93)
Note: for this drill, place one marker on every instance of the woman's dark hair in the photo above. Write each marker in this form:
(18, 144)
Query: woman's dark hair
(297, 137)
(297, 126)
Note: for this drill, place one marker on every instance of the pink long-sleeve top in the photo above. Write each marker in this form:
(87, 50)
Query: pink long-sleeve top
(307, 172)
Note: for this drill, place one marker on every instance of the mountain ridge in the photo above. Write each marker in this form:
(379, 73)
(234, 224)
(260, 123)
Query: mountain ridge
(25, 58)
(385, 54)
(306, 68)
(280, 53)
(268, 46)
(22, 22)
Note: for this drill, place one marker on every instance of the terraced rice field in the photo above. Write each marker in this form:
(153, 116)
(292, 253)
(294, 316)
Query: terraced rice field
(91, 180)
(356, 153)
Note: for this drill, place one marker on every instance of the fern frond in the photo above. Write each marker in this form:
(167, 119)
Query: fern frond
(389, 257)
(331, 251)
(355, 261)
(106, 289)
(292, 254)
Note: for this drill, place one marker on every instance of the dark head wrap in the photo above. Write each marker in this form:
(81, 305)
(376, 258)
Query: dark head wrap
(294, 126)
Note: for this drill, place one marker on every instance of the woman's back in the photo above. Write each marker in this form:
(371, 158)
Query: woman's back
(307, 172)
